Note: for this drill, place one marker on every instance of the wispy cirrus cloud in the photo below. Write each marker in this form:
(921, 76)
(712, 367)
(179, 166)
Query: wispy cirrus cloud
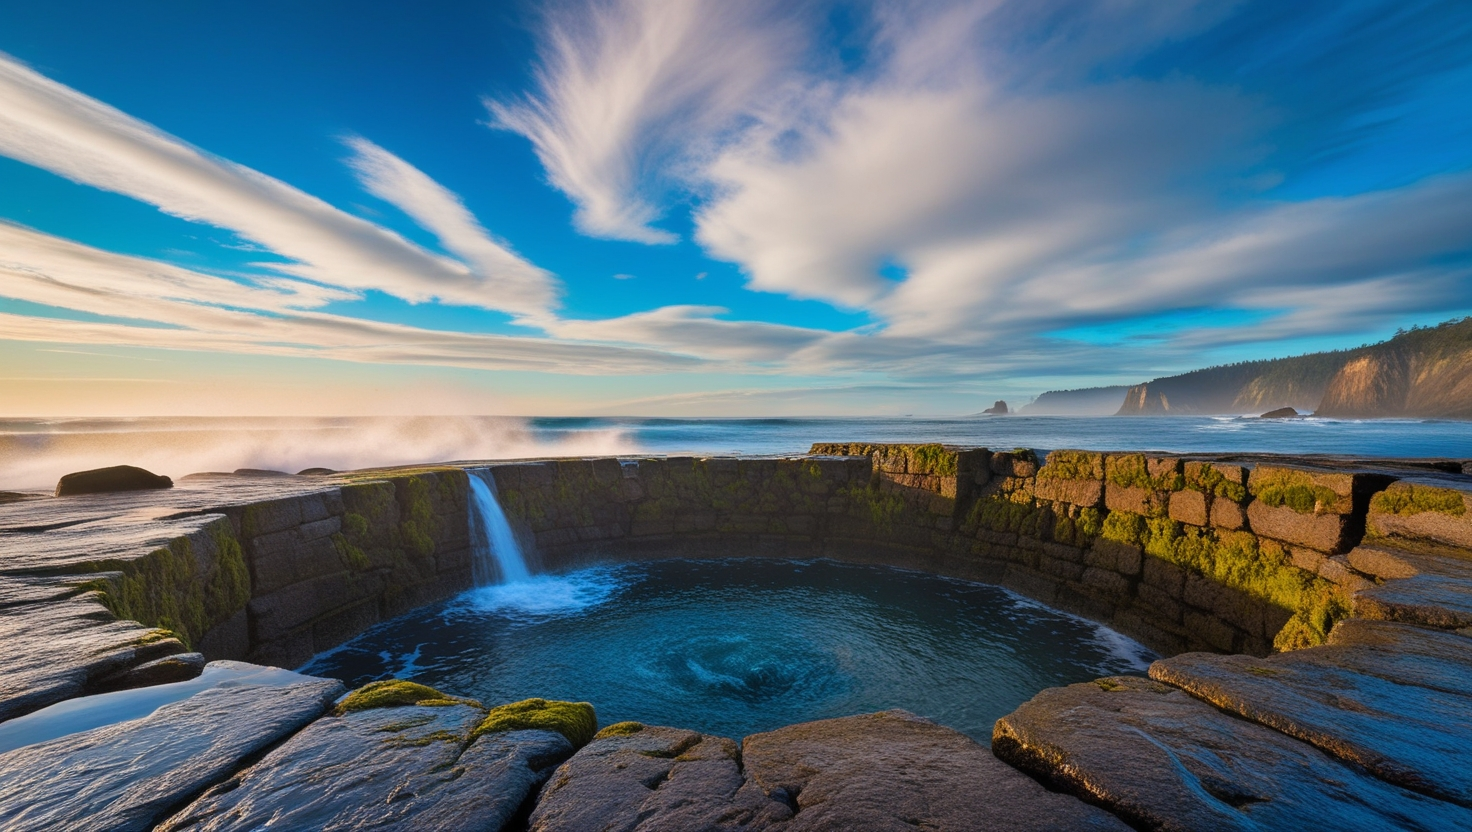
(56, 128)
(628, 88)
(984, 172)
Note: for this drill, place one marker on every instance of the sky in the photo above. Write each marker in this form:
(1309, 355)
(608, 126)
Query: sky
(705, 207)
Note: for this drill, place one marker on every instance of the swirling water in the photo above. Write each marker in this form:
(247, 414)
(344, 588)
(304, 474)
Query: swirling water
(734, 647)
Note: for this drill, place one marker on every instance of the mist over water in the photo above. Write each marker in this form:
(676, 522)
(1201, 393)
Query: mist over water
(34, 453)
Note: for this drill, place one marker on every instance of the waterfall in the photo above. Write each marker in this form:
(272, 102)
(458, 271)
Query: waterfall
(496, 553)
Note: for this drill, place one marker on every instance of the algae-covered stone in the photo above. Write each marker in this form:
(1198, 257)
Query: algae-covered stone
(1424, 511)
(131, 775)
(896, 771)
(1163, 760)
(404, 767)
(574, 720)
(647, 778)
(1356, 703)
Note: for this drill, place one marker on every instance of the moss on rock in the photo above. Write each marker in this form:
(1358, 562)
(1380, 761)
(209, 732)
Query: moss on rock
(574, 720)
(1294, 489)
(1205, 477)
(1073, 465)
(392, 693)
(619, 729)
(1406, 499)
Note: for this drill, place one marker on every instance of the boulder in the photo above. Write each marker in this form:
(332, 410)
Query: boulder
(406, 767)
(896, 771)
(131, 775)
(1163, 760)
(116, 478)
(1406, 719)
(647, 777)
(1281, 413)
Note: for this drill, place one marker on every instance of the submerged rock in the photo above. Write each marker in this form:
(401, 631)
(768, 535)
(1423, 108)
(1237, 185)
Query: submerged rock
(131, 775)
(116, 478)
(1161, 759)
(404, 767)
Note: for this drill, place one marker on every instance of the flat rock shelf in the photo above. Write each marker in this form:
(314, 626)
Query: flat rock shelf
(1314, 616)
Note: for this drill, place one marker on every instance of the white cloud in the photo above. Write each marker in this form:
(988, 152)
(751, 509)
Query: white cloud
(626, 87)
(51, 126)
(518, 286)
(150, 304)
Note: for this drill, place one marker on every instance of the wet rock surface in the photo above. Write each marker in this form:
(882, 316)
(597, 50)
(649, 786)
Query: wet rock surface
(1356, 703)
(1161, 759)
(411, 767)
(652, 778)
(61, 642)
(1429, 587)
(131, 775)
(896, 771)
(884, 771)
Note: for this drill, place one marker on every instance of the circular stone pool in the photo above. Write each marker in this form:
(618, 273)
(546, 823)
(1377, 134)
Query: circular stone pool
(734, 647)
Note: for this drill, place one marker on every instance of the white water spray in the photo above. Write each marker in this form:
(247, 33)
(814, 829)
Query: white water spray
(496, 553)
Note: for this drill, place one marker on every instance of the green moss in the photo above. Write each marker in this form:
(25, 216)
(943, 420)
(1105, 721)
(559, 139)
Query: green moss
(1209, 480)
(176, 589)
(1072, 465)
(355, 524)
(1001, 514)
(1127, 471)
(1090, 522)
(881, 508)
(1108, 685)
(574, 720)
(1161, 535)
(388, 693)
(619, 729)
(932, 459)
(1258, 568)
(1124, 527)
(1296, 490)
(1406, 499)
(351, 556)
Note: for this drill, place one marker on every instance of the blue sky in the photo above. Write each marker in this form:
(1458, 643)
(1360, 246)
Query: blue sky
(673, 207)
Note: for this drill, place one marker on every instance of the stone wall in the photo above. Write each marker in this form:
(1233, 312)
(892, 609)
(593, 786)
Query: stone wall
(277, 581)
(1178, 552)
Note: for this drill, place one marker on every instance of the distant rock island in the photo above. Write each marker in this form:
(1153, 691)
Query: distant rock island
(1424, 372)
(998, 409)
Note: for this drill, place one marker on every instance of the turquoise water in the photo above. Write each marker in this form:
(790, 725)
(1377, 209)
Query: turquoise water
(740, 646)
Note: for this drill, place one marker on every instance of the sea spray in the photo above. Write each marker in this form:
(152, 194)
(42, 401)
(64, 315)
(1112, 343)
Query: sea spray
(497, 556)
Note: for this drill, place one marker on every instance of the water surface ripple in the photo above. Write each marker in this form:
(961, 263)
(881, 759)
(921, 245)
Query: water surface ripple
(739, 646)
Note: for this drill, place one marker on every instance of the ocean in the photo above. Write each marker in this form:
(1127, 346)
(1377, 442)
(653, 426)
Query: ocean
(34, 453)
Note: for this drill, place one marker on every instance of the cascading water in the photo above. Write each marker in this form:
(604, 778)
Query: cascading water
(497, 557)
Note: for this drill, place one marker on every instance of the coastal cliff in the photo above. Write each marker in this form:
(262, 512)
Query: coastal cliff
(1420, 373)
